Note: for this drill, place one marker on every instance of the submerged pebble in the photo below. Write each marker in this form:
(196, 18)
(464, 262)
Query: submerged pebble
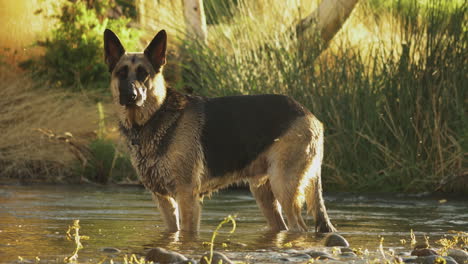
(422, 245)
(164, 256)
(290, 259)
(409, 259)
(301, 256)
(217, 258)
(420, 252)
(320, 255)
(459, 255)
(110, 250)
(346, 250)
(435, 259)
(335, 240)
(291, 251)
(348, 254)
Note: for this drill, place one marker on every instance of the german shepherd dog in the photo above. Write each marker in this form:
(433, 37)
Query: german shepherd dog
(184, 147)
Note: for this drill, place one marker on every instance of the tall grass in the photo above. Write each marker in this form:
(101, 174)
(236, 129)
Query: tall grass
(35, 126)
(390, 89)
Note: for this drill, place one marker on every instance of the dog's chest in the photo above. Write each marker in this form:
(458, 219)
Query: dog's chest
(149, 146)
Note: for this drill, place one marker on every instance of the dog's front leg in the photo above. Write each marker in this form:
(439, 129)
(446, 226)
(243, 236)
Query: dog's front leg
(189, 208)
(169, 210)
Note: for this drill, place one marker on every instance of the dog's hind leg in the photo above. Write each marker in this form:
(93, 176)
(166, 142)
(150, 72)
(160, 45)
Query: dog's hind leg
(288, 195)
(316, 204)
(169, 210)
(314, 198)
(287, 187)
(269, 206)
(290, 158)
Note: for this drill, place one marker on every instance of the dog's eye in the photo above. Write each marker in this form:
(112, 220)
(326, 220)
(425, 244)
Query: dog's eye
(122, 72)
(142, 74)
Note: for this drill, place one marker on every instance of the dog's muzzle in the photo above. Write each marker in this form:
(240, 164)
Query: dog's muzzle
(128, 95)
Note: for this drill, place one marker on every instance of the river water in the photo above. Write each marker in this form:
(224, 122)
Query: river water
(35, 218)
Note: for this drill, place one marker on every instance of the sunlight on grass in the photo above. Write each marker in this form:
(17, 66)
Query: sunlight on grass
(73, 235)
(228, 219)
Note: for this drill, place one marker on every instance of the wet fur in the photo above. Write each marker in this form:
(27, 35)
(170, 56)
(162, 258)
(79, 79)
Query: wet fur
(184, 147)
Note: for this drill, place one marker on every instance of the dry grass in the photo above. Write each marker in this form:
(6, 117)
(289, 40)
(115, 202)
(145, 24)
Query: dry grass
(25, 152)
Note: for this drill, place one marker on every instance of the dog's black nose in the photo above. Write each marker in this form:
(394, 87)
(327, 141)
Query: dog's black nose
(128, 93)
(133, 94)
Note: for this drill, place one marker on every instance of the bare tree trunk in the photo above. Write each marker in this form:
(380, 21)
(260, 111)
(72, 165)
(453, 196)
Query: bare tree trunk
(141, 11)
(195, 19)
(328, 18)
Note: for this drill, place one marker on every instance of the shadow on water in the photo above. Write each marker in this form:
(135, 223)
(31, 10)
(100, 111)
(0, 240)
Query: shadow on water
(34, 219)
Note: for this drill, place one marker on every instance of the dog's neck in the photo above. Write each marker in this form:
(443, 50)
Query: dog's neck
(139, 115)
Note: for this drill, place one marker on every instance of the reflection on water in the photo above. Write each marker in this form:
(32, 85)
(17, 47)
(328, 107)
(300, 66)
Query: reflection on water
(34, 219)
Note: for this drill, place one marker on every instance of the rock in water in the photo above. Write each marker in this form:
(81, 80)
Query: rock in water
(348, 254)
(435, 259)
(110, 250)
(163, 256)
(217, 258)
(347, 250)
(459, 255)
(335, 240)
(422, 252)
(320, 255)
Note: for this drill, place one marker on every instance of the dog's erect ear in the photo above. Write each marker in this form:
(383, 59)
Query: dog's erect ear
(156, 50)
(113, 49)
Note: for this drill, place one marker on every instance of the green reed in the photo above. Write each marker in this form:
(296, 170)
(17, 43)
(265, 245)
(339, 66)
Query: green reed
(393, 108)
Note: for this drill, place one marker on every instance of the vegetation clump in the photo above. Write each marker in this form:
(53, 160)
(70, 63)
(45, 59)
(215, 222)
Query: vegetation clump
(73, 51)
(393, 108)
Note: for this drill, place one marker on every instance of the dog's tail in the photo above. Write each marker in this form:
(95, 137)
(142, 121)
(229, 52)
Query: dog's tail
(314, 198)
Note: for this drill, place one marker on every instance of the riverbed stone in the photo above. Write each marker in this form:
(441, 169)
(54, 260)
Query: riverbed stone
(301, 256)
(164, 256)
(110, 250)
(459, 255)
(336, 240)
(320, 255)
(421, 252)
(433, 259)
(422, 245)
(346, 250)
(348, 254)
(286, 259)
(409, 259)
(217, 258)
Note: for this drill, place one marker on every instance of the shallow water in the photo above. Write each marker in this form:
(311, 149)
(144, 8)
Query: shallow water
(34, 219)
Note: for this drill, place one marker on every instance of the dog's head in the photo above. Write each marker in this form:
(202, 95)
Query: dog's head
(136, 77)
